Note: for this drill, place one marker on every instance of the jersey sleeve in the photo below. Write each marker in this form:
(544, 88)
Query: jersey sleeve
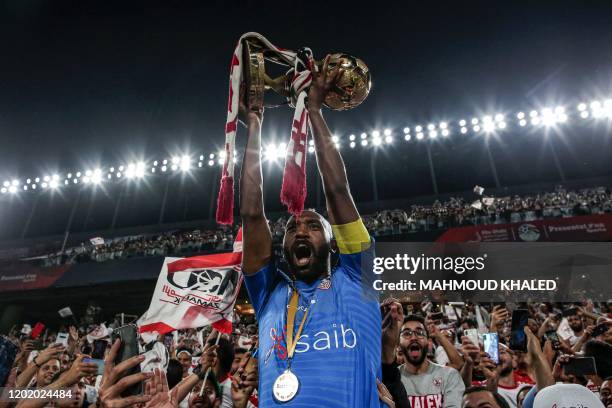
(453, 392)
(260, 285)
(356, 249)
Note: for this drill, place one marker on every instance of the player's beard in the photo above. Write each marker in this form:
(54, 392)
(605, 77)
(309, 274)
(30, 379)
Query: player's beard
(317, 267)
(410, 358)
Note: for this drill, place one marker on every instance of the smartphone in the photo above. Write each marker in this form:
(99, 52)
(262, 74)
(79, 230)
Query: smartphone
(472, 334)
(99, 349)
(37, 330)
(518, 339)
(491, 346)
(62, 338)
(580, 366)
(98, 362)
(168, 340)
(553, 337)
(600, 329)
(128, 335)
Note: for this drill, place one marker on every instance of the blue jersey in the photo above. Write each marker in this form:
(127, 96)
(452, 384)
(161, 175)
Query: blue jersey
(337, 357)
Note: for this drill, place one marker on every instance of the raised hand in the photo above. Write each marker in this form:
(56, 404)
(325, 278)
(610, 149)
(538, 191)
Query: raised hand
(78, 370)
(384, 394)
(157, 389)
(322, 82)
(53, 351)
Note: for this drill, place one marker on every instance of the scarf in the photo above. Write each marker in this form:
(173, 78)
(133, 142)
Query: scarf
(293, 191)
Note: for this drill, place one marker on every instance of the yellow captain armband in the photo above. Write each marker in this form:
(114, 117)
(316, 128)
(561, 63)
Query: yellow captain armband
(352, 237)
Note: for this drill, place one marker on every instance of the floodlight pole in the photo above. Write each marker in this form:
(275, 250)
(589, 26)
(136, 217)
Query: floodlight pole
(557, 163)
(492, 165)
(26, 227)
(70, 219)
(374, 180)
(117, 205)
(162, 210)
(432, 171)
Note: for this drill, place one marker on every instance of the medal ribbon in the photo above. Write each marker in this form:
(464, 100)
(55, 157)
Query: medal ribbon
(291, 312)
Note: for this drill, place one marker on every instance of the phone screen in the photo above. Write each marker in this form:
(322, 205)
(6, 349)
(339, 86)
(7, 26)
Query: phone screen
(98, 362)
(518, 339)
(580, 366)
(491, 346)
(62, 338)
(553, 337)
(168, 340)
(472, 334)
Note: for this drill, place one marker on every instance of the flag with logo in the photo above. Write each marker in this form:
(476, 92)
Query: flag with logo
(195, 292)
(99, 332)
(96, 241)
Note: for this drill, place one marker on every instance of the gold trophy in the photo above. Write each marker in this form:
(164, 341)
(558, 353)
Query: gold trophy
(351, 88)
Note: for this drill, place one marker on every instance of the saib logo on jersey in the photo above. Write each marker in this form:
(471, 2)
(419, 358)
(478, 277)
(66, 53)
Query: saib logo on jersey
(338, 337)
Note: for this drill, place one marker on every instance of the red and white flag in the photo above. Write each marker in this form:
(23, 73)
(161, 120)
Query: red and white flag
(195, 292)
(99, 332)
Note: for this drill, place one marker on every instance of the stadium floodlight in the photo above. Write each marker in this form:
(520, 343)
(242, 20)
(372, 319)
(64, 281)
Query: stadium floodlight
(406, 130)
(559, 110)
(522, 122)
(595, 105)
(364, 142)
(211, 156)
(420, 135)
(535, 121)
(112, 169)
(433, 134)
(185, 163)
(582, 106)
(387, 132)
(211, 162)
(501, 125)
(445, 132)
(28, 181)
(418, 128)
(87, 173)
(53, 184)
(337, 146)
(119, 174)
(201, 157)
(520, 115)
(199, 164)
(431, 126)
(335, 139)
(562, 118)
(15, 182)
(55, 177)
(464, 130)
(110, 176)
(33, 186)
(363, 135)
(46, 178)
(165, 161)
(376, 141)
(96, 178)
(129, 172)
(155, 163)
(352, 145)
(37, 179)
(3, 190)
(311, 142)
(221, 161)
(352, 137)
(6, 183)
(474, 121)
(164, 168)
(44, 184)
(222, 154)
(311, 149)
(12, 189)
(176, 160)
(443, 125)
(487, 119)
(282, 147)
(533, 113)
(375, 133)
(499, 117)
(476, 128)
(388, 139)
(121, 168)
(462, 122)
(86, 180)
(75, 181)
(174, 167)
(407, 138)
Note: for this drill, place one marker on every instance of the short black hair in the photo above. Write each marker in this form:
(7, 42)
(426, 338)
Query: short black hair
(602, 352)
(479, 388)
(174, 372)
(416, 318)
(239, 350)
(470, 322)
(225, 353)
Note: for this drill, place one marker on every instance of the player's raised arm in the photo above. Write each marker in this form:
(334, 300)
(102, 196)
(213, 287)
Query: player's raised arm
(256, 235)
(339, 201)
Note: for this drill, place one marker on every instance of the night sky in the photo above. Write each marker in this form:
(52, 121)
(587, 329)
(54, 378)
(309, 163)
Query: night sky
(86, 82)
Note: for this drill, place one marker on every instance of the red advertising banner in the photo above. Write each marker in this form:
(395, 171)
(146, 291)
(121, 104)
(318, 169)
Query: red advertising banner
(581, 228)
(22, 276)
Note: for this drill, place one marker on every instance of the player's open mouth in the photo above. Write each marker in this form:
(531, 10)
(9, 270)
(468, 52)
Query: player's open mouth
(414, 351)
(302, 252)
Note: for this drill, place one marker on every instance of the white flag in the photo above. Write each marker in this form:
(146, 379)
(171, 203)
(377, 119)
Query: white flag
(477, 205)
(195, 292)
(65, 312)
(96, 241)
(478, 190)
(98, 333)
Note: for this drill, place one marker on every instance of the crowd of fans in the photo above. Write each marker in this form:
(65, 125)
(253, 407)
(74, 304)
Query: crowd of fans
(440, 215)
(433, 355)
